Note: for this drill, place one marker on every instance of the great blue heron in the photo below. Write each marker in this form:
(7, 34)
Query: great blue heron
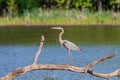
(67, 44)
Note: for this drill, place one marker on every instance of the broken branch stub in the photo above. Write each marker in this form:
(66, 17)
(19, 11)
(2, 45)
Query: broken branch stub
(39, 50)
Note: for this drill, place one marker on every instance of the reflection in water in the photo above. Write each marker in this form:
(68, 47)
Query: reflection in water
(80, 35)
(96, 42)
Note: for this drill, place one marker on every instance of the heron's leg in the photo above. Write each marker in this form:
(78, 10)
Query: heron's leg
(69, 61)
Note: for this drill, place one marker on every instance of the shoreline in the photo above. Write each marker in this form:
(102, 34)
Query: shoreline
(67, 25)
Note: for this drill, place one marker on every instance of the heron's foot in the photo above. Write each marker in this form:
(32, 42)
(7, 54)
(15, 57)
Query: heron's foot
(67, 64)
(34, 63)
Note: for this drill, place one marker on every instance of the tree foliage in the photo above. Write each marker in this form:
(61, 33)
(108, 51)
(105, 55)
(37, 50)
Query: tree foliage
(14, 7)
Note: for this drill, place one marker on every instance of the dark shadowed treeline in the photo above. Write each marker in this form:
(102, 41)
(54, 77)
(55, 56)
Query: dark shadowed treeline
(18, 7)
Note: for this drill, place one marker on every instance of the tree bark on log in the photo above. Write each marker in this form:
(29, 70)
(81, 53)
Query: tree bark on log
(86, 69)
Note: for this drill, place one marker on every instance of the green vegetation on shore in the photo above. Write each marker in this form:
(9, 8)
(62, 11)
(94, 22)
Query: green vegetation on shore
(59, 12)
(63, 17)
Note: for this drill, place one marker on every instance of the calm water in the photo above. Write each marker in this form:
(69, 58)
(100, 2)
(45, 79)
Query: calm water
(18, 46)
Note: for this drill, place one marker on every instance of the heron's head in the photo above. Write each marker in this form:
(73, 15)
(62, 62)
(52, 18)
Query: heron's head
(59, 28)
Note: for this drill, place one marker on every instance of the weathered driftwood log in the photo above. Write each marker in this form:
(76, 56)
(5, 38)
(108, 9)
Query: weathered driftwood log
(36, 66)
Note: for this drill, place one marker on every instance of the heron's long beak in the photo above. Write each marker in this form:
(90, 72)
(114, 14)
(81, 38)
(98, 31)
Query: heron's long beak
(54, 28)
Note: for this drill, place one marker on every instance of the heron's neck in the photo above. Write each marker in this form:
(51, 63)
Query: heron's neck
(60, 35)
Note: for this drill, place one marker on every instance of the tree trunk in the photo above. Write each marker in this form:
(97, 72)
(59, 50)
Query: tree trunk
(99, 5)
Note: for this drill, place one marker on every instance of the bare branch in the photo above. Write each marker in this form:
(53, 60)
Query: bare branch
(106, 76)
(39, 49)
(99, 61)
(20, 71)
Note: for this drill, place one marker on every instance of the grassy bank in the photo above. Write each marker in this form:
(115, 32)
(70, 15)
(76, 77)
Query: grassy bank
(62, 17)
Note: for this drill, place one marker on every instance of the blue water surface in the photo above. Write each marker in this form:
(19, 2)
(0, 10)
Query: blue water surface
(12, 57)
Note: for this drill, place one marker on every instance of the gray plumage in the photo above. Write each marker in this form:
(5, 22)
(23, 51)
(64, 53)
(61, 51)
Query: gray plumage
(69, 45)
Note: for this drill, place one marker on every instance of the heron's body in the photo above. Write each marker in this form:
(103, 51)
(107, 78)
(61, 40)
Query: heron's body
(67, 44)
